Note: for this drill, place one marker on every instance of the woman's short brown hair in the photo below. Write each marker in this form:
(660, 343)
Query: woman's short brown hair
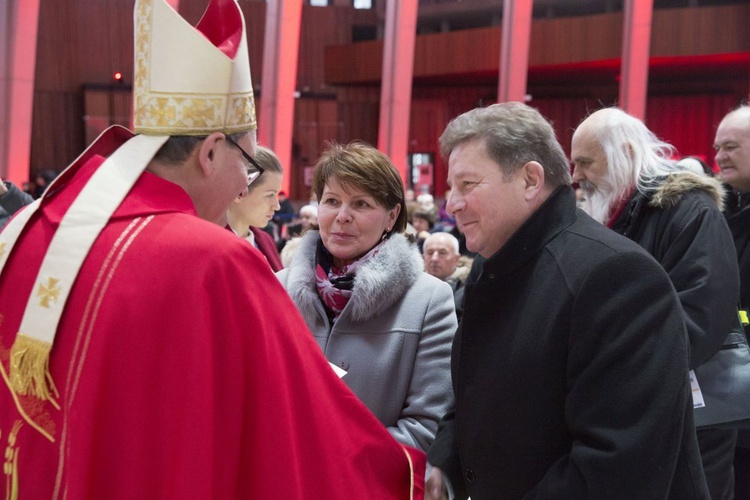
(363, 166)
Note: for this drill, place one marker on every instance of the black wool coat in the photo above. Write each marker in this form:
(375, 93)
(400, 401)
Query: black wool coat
(570, 371)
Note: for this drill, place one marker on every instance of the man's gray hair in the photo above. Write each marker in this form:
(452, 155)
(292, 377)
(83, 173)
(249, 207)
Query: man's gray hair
(514, 134)
(441, 234)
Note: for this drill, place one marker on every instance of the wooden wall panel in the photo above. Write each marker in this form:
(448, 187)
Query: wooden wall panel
(463, 51)
(359, 110)
(575, 39)
(354, 63)
(316, 124)
(711, 30)
(322, 27)
(58, 134)
(700, 31)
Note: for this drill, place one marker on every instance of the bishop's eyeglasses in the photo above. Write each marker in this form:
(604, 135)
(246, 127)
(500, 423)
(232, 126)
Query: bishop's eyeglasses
(254, 170)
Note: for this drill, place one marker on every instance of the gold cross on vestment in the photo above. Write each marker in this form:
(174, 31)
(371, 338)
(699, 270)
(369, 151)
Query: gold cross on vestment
(48, 292)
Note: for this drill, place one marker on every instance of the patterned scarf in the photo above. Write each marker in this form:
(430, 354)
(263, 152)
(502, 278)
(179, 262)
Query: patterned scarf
(335, 285)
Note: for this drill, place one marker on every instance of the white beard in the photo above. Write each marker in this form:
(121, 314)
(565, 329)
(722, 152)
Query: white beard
(598, 201)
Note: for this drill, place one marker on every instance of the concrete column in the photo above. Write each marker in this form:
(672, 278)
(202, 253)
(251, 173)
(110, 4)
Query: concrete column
(514, 51)
(636, 48)
(398, 71)
(279, 80)
(18, 37)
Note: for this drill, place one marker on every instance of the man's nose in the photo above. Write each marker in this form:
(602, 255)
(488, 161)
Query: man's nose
(577, 175)
(453, 204)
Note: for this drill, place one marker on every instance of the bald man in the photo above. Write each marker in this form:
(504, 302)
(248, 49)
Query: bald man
(441, 257)
(732, 146)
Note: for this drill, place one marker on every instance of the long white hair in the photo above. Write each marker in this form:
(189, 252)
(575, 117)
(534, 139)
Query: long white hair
(635, 157)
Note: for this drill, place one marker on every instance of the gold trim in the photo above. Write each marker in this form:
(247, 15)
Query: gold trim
(29, 368)
(411, 475)
(80, 348)
(10, 465)
(20, 409)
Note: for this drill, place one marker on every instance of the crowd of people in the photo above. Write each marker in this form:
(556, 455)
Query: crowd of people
(171, 327)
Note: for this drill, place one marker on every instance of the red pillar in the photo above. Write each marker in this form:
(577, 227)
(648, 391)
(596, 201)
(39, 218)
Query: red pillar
(18, 45)
(514, 51)
(398, 70)
(279, 80)
(636, 45)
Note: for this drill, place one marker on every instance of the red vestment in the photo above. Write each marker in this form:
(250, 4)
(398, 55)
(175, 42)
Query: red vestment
(267, 247)
(183, 370)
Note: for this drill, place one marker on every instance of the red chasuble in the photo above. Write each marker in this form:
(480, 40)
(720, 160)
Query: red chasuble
(178, 376)
(267, 247)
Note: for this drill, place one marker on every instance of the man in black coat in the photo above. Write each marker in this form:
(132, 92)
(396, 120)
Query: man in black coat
(12, 199)
(634, 187)
(733, 157)
(570, 365)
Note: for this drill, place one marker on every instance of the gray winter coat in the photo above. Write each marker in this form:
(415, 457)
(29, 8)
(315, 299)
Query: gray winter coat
(393, 337)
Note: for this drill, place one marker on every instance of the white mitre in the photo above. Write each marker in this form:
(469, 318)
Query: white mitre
(191, 81)
(188, 81)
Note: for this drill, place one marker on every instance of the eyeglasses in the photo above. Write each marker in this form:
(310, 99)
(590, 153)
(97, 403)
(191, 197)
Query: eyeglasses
(254, 170)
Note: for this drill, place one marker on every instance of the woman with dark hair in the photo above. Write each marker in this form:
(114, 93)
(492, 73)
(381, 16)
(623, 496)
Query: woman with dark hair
(359, 283)
(250, 213)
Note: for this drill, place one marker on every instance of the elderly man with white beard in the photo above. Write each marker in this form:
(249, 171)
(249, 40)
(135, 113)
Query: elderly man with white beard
(633, 187)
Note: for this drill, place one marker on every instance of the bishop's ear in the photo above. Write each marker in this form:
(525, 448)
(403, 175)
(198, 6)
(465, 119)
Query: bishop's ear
(209, 152)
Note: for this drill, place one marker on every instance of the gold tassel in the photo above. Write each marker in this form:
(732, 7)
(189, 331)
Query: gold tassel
(29, 368)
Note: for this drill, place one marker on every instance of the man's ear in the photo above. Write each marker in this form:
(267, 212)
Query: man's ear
(208, 152)
(628, 147)
(533, 176)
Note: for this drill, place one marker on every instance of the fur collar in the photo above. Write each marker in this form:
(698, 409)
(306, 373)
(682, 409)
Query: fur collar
(670, 192)
(378, 285)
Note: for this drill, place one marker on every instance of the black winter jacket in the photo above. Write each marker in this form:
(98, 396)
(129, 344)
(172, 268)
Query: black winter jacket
(737, 211)
(682, 226)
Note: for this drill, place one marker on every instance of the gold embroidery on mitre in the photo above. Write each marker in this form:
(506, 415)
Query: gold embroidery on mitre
(29, 368)
(49, 292)
(242, 111)
(10, 463)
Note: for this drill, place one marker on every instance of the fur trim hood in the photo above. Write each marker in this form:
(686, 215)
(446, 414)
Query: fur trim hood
(378, 284)
(670, 192)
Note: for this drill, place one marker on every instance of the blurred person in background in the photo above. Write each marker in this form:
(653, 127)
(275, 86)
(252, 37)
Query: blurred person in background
(12, 199)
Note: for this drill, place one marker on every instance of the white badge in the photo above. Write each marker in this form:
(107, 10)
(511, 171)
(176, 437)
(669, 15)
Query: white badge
(696, 390)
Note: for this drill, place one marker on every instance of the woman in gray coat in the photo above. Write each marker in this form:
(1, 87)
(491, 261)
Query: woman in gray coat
(360, 286)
